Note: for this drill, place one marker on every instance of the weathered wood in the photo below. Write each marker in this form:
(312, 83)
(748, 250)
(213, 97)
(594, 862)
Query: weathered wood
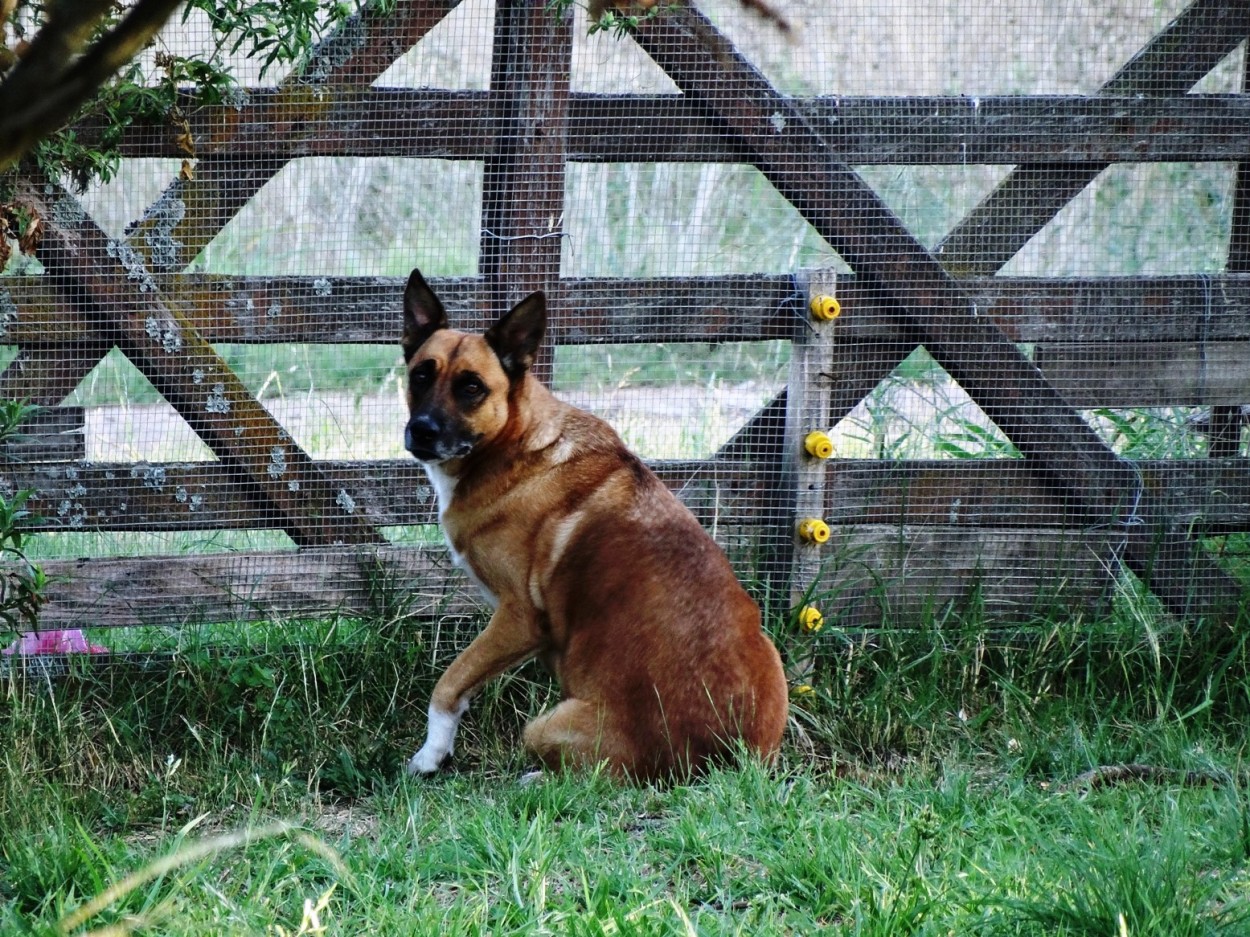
(1148, 374)
(190, 213)
(910, 575)
(1208, 495)
(523, 174)
(936, 312)
(588, 311)
(910, 572)
(1203, 495)
(52, 434)
(807, 408)
(846, 211)
(45, 374)
(1085, 309)
(919, 533)
(1027, 200)
(204, 495)
(1224, 429)
(366, 310)
(429, 123)
(190, 375)
(387, 492)
(171, 590)
(369, 42)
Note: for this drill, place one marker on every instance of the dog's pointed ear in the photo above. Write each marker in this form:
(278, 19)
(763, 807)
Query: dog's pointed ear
(516, 337)
(423, 314)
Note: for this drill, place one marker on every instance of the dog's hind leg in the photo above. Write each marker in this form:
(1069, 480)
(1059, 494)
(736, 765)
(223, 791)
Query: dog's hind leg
(575, 734)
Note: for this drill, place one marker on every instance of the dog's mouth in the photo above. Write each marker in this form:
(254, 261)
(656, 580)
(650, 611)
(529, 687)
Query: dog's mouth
(438, 454)
(438, 450)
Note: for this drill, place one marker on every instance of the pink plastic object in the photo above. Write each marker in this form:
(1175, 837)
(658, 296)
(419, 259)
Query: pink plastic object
(62, 641)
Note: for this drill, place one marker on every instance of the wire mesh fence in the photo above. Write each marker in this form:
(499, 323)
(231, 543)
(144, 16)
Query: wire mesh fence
(1033, 221)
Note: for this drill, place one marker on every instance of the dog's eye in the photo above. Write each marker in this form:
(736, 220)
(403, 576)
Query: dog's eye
(472, 388)
(421, 376)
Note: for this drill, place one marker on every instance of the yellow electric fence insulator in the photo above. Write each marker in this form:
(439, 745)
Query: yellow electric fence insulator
(813, 530)
(818, 444)
(810, 618)
(825, 308)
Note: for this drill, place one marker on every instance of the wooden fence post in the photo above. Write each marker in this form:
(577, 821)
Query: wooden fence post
(523, 177)
(804, 468)
(807, 407)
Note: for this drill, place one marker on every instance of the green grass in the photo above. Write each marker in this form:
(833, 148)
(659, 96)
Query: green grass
(926, 787)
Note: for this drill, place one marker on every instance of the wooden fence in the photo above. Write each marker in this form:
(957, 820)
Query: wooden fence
(907, 535)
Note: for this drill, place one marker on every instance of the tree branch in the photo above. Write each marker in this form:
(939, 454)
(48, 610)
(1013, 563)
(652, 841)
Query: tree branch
(54, 78)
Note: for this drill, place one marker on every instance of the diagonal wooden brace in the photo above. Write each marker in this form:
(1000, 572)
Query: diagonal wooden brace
(1026, 201)
(111, 284)
(1030, 197)
(932, 308)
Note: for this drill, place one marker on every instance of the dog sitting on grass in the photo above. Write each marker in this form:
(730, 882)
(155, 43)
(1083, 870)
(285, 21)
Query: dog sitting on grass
(591, 565)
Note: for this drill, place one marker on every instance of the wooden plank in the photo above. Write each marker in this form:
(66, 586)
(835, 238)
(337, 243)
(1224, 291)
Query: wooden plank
(174, 590)
(909, 576)
(1148, 374)
(912, 571)
(366, 310)
(190, 375)
(46, 373)
(1003, 130)
(933, 308)
(1207, 495)
(1033, 194)
(607, 310)
(387, 492)
(1203, 495)
(204, 495)
(52, 434)
(1084, 309)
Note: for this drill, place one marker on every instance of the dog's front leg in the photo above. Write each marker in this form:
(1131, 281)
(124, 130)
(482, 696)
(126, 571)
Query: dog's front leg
(510, 638)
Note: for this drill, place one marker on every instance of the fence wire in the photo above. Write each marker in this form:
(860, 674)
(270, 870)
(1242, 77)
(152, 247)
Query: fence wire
(1005, 199)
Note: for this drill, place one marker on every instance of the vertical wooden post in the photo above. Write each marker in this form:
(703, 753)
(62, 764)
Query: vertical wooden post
(1224, 438)
(807, 411)
(802, 473)
(523, 184)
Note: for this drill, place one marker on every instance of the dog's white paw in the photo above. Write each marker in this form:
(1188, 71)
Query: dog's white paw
(428, 760)
(440, 740)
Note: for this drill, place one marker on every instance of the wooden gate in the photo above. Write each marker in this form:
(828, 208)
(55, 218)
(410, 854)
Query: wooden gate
(906, 535)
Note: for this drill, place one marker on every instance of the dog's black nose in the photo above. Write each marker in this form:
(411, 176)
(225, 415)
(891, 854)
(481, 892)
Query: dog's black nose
(421, 433)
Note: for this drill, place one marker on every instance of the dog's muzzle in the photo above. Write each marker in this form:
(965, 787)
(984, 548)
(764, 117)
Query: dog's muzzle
(427, 439)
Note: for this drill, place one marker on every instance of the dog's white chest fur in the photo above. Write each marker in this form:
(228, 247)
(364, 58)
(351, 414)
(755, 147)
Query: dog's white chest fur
(445, 489)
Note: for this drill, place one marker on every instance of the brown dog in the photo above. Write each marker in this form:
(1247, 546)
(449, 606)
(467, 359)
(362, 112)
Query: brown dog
(590, 562)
